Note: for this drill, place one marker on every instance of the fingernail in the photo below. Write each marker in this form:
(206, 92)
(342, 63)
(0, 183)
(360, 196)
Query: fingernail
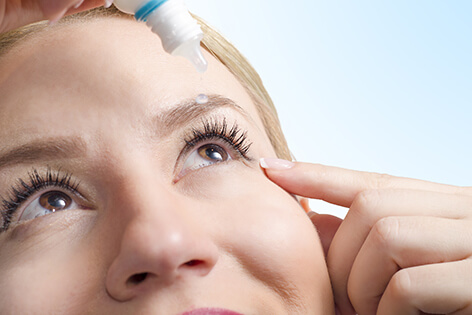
(306, 205)
(78, 4)
(54, 20)
(275, 164)
(108, 3)
(311, 214)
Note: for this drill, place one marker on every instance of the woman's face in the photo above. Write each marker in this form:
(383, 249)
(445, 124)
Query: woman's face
(125, 196)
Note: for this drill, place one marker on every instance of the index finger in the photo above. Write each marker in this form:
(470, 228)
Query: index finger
(340, 186)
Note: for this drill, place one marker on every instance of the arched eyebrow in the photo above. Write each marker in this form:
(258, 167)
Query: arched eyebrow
(187, 111)
(55, 148)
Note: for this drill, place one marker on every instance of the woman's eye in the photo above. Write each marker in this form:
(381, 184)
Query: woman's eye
(212, 153)
(205, 155)
(46, 203)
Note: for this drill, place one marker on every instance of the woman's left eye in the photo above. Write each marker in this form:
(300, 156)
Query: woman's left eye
(205, 155)
(48, 202)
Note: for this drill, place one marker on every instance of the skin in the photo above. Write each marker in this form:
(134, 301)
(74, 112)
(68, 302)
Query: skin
(217, 236)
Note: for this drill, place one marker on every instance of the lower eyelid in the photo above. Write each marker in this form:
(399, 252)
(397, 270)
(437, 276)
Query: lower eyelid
(51, 224)
(184, 174)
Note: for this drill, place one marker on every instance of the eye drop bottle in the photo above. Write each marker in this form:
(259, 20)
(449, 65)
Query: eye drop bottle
(170, 20)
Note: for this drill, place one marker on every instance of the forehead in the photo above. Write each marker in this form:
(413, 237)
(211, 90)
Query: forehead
(114, 63)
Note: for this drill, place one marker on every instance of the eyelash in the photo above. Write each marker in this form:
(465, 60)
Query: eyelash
(36, 182)
(210, 130)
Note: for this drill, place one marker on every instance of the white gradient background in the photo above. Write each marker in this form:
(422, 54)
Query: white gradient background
(367, 85)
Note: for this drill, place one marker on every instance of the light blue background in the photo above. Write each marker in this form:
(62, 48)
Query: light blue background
(368, 85)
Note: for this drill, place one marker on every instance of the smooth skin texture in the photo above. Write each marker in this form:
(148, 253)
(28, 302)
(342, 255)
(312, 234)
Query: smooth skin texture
(404, 247)
(223, 235)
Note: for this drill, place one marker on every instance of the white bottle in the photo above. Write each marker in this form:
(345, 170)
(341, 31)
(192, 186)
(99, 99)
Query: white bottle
(179, 32)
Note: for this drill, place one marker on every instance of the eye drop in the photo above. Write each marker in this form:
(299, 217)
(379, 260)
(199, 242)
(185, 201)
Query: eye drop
(170, 20)
(201, 99)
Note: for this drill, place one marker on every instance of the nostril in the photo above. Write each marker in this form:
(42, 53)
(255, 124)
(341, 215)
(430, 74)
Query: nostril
(137, 278)
(140, 277)
(193, 263)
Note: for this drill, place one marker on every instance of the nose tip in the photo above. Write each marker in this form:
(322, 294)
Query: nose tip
(158, 260)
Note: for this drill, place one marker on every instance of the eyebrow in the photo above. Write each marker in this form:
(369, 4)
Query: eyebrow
(189, 110)
(55, 148)
(46, 149)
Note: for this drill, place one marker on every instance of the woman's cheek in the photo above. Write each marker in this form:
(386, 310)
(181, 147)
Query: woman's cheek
(46, 271)
(270, 235)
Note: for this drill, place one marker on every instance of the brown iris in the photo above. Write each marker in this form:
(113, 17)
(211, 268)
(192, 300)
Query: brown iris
(54, 201)
(212, 152)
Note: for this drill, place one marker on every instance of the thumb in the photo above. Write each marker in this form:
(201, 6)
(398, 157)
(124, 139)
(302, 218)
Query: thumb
(327, 226)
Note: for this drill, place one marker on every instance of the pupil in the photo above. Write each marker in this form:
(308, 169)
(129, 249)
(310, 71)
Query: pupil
(56, 201)
(213, 154)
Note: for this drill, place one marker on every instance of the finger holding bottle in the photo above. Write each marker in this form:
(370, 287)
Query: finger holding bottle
(18, 13)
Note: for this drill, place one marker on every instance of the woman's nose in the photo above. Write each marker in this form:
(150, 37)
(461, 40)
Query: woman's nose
(158, 247)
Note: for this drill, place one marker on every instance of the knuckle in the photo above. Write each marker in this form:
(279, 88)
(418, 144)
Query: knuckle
(385, 232)
(400, 286)
(365, 202)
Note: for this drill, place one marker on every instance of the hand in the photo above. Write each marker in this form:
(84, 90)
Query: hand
(405, 245)
(16, 13)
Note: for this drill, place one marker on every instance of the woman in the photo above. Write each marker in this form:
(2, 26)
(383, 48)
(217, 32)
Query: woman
(121, 194)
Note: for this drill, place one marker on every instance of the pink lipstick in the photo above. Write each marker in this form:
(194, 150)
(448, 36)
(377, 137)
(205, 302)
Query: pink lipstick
(211, 311)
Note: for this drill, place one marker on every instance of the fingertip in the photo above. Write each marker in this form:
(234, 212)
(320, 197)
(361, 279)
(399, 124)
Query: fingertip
(275, 164)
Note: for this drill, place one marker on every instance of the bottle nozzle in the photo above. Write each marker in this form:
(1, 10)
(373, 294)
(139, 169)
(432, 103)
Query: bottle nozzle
(170, 19)
(191, 51)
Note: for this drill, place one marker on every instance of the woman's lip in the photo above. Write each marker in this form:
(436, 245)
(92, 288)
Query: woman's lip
(211, 311)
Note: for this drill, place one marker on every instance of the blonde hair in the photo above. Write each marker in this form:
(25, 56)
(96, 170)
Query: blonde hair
(213, 42)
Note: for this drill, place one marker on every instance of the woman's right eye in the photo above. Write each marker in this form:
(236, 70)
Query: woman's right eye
(48, 202)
